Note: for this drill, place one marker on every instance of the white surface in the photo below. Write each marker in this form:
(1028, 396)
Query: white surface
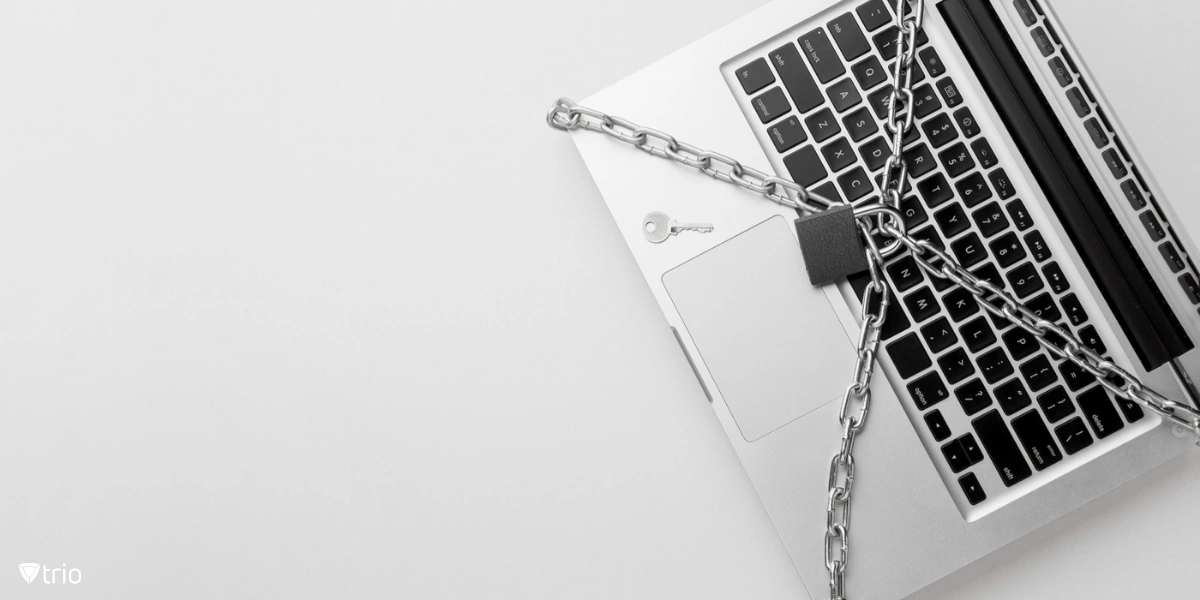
(304, 299)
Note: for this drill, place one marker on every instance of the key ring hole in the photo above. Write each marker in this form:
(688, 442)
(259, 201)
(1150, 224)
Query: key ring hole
(651, 226)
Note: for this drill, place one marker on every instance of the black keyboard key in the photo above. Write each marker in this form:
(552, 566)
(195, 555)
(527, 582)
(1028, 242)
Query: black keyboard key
(966, 122)
(994, 365)
(973, 190)
(1096, 132)
(1062, 74)
(1044, 307)
(796, 78)
(929, 234)
(771, 105)
(879, 101)
(972, 491)
(870, 73)
(937, 426)
(905, 274)
(990, 219)
(933, 63)
(939, 335)
(977, 334)
(1043, 41)
(1027, 15)
(1133, 194)
(820, 54)
(935, 190)
(1036, 438)
(874, 14)
(829, 191)
(1073, 309)
(940, 130)
(1171, 256)
(1133, 413)
(1150, 222)
(919, 160)
(969, 250)
(1012, 397)
(805, 167)
(875, 153)
(1100, 412)
(973, 397)
(1006, 456)
(956, 366)
(855, 184)
(1025, 280)
(1038, 373)
(928, 390)
(925, 101)
(1074, 435)
(1037, 246)
(1115, 165)
(860, 124)
(960, 304)
(1020, 343)
(1003, 185)
(849, 36)
(838, 154)
(952, 220)
(990, 273)
(956, 456)
(896, 321)
(971, 447)
(956, 159)
(1056, 404)
(908, 354)
(1079, 103)
(914, 213)
(949, 92)
(983, 153)
(1074, 376)
(786, 134)
(1091, 339)
(1007, 249)
(822, 125)
(755, 76)
(922, 305)
(1056, 278)
(844, 95)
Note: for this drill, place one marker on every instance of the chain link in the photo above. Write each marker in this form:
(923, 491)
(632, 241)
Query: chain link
(885, 219)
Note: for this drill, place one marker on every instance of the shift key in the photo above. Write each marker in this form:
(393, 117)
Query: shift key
(821, 55)
(797, 78)
(1004, 452)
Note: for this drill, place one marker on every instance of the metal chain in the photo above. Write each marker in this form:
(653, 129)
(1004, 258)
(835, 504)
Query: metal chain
(1057, 340)
(895, 173)
(566, 115)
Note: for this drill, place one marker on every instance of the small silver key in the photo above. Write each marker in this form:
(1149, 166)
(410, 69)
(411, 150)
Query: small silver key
(657, 227)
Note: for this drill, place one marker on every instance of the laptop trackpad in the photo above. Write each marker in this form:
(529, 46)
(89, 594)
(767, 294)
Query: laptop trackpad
(771, 340)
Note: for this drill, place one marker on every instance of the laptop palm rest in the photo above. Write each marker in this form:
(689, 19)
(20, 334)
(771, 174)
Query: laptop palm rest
(771, 341)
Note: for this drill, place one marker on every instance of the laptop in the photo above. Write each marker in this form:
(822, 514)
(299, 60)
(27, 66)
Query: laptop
(1019, 167)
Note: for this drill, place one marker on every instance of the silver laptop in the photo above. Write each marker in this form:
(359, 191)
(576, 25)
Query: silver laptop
(1019, 167)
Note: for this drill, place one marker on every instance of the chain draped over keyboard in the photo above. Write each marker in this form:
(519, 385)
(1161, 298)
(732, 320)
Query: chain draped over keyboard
(898, 246)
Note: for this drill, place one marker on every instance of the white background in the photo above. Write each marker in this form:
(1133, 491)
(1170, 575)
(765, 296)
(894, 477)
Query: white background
(303, 299)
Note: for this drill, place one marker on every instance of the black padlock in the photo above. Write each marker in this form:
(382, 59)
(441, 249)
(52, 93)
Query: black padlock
(830, 243)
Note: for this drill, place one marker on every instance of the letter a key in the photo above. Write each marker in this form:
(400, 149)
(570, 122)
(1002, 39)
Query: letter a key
(657, 227)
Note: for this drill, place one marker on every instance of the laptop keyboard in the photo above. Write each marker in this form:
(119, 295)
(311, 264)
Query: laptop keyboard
(822, 98)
